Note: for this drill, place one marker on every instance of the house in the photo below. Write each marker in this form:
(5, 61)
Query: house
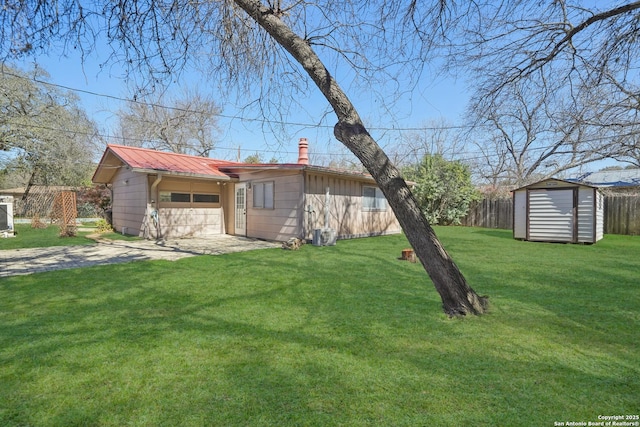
(160, 195)
(555, 210)
(618, 180)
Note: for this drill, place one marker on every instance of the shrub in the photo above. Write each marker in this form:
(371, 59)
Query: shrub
(103, 226)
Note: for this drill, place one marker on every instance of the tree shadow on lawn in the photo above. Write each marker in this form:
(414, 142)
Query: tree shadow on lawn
(275, 352)
(80, 324)
(591, 303)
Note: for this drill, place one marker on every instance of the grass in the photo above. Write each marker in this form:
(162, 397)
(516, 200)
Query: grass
(344, 335)
(27, 237)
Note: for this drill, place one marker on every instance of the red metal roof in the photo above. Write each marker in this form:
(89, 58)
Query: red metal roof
(149, 161)
(152, 160)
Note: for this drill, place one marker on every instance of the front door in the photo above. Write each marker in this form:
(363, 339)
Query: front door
(241, 210)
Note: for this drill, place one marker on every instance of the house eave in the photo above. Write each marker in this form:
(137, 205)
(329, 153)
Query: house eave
(300, 167)
(184, 174)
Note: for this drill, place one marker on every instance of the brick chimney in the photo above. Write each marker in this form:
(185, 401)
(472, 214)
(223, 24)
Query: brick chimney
(303, 152)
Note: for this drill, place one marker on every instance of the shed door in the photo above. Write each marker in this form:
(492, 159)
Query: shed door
(4, 217)
(241, 210)
(551, 215)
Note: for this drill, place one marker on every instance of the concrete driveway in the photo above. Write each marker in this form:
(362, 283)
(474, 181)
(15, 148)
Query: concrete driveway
(36, 260)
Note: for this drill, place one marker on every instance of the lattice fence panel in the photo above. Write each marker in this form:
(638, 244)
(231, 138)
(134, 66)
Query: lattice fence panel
(65, 212)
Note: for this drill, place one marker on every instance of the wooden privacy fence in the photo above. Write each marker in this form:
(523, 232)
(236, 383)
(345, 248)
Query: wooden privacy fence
(490, 213)
(621, 214)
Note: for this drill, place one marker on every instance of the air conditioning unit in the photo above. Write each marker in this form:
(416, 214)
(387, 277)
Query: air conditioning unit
(324, 237)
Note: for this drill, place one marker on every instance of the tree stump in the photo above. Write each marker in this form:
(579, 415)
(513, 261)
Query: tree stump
(408, 255)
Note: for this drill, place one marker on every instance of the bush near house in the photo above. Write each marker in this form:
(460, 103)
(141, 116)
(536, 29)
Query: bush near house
(443, 188)
(93, 201)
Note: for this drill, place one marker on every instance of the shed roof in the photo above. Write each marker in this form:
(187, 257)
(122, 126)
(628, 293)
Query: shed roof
(555, 182)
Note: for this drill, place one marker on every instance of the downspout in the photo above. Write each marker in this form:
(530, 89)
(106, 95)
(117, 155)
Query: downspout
(155, 215)
(327, 203)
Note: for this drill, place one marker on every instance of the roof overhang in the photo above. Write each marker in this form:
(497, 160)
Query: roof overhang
(107, 168)
(184, 174)
(298, 167)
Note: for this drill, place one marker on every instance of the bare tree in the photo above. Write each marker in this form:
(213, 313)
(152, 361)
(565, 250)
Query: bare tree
(185, 125)
(527, 135)
(272, 47)
(439, 137)
(548, 51)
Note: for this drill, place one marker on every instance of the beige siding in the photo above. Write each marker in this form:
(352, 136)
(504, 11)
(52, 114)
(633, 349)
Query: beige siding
(346, 213)
(228, 204)
(285, 219)
(129, 201)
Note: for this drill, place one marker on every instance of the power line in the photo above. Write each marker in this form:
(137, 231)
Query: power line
(232, 117)
(468, 155)
(464, 156)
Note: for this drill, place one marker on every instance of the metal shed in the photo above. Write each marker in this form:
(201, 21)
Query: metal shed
(554, 210)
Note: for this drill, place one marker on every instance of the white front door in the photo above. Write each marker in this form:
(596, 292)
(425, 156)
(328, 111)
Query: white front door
(241, 210)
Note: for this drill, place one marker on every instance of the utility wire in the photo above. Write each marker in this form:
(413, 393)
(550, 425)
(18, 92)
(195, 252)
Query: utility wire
(468, 155)
(226, 116)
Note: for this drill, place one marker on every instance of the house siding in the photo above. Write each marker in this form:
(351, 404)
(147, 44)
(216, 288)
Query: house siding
(346, 213)
(228, 202)
(129, 201)
(153, 201)
(284, 221)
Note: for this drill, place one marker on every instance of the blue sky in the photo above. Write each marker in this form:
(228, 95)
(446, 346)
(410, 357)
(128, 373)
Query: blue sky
(434, 101)
(443, 99)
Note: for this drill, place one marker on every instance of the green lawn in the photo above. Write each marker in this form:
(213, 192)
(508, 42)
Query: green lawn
(345, 335)
(27, 237)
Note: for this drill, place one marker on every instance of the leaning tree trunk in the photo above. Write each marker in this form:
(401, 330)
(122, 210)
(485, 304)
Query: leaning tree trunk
(457, 296)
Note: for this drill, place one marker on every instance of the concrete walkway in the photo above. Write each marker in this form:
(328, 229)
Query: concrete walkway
(36, 260)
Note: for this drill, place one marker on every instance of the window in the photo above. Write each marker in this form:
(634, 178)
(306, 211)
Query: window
(206, 198)
(176, 199)
(263, 195)
(168, 196)
(373, 199)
